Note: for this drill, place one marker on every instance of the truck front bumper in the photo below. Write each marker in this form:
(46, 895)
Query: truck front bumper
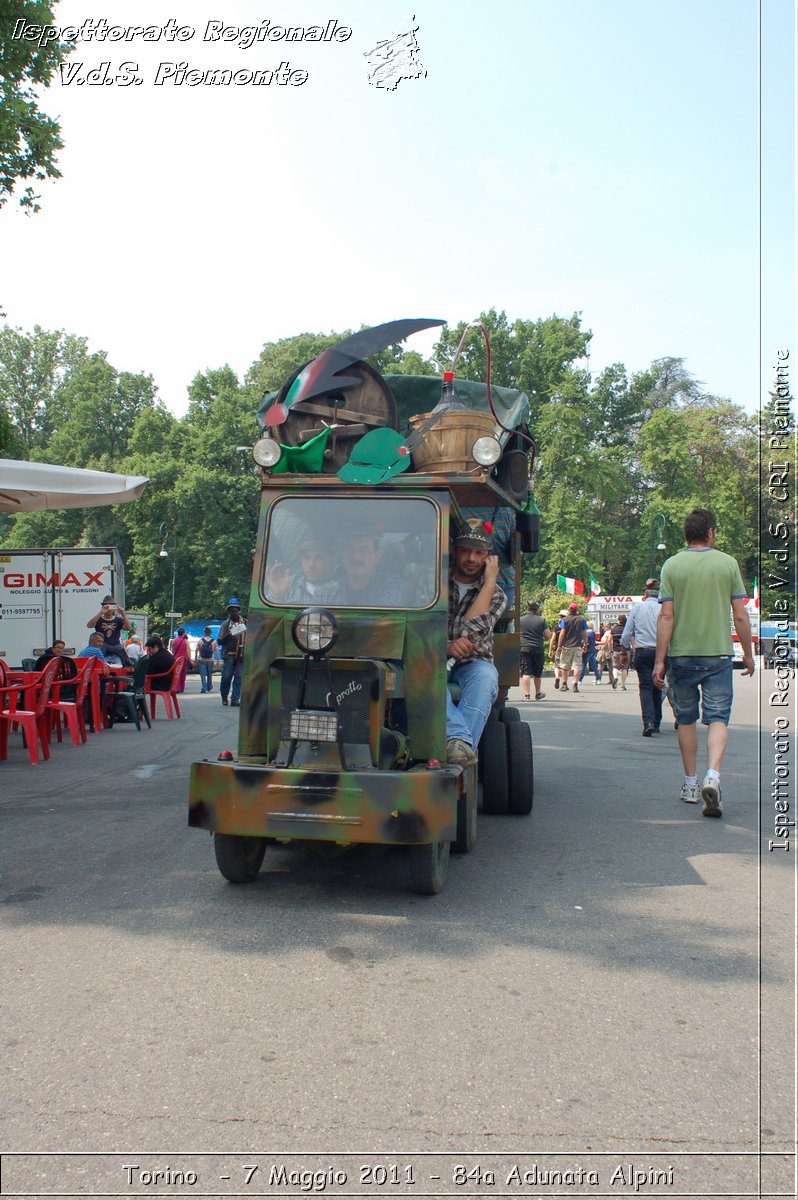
(375, 807)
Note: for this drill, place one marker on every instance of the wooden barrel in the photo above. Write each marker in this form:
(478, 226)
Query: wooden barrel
(447, 446)
(367, 405)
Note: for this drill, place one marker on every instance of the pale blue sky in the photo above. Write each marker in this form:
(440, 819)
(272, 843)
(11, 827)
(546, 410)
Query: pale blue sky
(600, 157)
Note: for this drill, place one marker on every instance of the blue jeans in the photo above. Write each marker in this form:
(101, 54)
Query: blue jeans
(650, 696)
(231, 672)
(590, 662)
(713, 676)
(205, 668)
(478, 681)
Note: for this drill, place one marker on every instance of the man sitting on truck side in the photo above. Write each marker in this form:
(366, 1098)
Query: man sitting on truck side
(110, 621)
(475, 604)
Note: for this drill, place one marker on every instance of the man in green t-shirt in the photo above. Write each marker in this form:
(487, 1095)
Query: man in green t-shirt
(697, 588)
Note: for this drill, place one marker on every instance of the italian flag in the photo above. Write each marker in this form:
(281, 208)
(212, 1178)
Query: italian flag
(566, 584)
(756, 592)
(595, 587)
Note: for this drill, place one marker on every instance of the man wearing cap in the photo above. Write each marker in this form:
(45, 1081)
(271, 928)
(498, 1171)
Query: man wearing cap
(313, 585)
(533, 630)
(110, 621)
(572, 644)
(475, 604)
(363, 584)
(554, 653)
(232, 634)
(641, 626)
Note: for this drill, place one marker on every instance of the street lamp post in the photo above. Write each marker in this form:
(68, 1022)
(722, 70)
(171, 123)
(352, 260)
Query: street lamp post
(659, 523)
(163, 533)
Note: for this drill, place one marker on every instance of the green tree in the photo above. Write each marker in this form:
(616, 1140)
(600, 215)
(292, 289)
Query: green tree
(702, 455)
(534, 356)
(34, 368)
(99, 406)
(29, 139)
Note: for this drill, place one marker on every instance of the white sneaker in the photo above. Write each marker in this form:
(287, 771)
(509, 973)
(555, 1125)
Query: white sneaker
(689, 793)
(710, 794)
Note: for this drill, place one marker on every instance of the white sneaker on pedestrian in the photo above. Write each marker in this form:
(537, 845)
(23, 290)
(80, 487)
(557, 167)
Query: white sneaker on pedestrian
(710, 794)
(689, 793)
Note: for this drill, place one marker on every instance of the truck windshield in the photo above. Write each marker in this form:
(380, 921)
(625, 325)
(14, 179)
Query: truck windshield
(353, 553)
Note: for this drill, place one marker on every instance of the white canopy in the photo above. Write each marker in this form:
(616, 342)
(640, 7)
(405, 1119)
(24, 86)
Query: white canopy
(34, 487)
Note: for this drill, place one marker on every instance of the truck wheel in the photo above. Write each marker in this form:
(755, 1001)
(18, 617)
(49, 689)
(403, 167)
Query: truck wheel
(521, 769)
(493, 756)
(466, 816)
(428, 867)
(238, 858)
(510, 716)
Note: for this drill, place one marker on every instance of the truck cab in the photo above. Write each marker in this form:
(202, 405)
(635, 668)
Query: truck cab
(342, 734)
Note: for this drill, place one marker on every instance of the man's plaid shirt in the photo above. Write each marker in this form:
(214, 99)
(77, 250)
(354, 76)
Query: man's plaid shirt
(478, 630)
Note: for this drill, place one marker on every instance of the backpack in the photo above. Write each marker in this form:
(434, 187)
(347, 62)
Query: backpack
(206, 648)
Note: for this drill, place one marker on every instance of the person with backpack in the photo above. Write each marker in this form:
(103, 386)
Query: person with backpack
(206, 653)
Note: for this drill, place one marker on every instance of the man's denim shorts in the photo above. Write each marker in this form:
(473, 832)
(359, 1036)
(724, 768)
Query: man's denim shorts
(714, 676)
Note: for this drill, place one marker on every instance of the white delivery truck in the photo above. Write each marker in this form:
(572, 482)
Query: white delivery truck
(49, 594)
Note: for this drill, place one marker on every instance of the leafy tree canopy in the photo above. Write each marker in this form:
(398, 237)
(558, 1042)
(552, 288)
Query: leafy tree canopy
(29, 139)
(618, 455)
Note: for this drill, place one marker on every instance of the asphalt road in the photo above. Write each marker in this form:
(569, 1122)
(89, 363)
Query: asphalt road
(610, 979)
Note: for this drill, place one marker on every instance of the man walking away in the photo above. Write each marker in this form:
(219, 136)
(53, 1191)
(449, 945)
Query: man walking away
(697, 587)
(572, 645)
(641, 625)
(533, 630)
(589, 658)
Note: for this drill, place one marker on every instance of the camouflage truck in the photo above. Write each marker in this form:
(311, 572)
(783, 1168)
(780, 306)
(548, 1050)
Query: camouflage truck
(342, 733)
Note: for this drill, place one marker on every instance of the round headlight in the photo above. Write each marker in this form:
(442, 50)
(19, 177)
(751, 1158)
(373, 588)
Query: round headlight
(486, 451)
(315, 631)
(267, 452)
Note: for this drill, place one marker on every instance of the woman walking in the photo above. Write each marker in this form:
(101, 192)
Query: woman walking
(180, 653)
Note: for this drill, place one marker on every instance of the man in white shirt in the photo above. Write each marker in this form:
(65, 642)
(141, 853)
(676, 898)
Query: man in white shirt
(641, 625)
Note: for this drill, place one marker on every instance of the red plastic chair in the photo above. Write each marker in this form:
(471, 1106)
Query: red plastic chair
(71, 710)
(32, 717)
(169, 695)
(96, 676)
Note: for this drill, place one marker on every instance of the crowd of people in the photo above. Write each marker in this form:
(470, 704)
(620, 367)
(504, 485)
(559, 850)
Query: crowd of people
(678, 640)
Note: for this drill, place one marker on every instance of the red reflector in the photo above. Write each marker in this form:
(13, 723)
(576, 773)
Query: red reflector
(224, 756)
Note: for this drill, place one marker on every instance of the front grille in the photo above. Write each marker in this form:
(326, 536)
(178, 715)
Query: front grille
(354, 687)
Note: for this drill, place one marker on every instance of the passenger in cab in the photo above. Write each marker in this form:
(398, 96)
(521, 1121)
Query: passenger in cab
(364, 583)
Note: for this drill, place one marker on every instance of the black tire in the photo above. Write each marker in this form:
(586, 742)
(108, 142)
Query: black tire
(466, 815)
(521, 769)
(429, 865)
(495, 775)
(238, 858)
(510, 716)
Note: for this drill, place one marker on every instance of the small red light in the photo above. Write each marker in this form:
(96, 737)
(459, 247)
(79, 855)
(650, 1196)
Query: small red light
(433, 764)
(224, 756)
